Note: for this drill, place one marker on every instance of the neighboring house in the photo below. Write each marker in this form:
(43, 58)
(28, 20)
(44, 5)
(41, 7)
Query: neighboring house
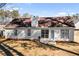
(76, 22)
(2, 30)
(43, 28)
(3, 23)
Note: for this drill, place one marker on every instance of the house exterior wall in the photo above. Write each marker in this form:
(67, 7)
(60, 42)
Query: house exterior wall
(77, 25)
(57, 34)
(71, 35)
(22, 33)
(35, 33)
(76, 22)
(10, 34)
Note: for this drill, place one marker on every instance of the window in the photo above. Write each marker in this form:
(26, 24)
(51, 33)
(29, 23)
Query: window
(44, 33)
(65, 34)
(15, 32)
(52, 34)
(29, 32)
(1, 33)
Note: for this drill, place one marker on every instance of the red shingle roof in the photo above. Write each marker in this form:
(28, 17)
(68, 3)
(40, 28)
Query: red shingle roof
(43, 22)
(56, 21)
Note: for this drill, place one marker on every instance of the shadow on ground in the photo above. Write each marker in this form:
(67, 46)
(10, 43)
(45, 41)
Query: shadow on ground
(6, 49)
(8, 53)
(68, 43)
(53, 46)
(17, 52)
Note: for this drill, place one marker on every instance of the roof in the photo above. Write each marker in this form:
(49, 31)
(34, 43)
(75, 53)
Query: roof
(65, 21)
(19, 22)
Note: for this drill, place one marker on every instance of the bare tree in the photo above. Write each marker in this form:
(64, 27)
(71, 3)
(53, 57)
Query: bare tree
(15, 14)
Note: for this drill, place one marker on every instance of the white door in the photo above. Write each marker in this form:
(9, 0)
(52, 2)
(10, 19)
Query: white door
(56, 34)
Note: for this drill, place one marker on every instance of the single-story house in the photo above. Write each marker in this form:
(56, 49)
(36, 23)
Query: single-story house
(43, 28)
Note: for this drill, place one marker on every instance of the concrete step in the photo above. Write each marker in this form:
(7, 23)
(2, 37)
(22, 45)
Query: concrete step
(48, 42)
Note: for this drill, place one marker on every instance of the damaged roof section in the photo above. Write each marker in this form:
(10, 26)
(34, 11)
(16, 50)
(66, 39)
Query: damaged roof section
(56, 22)
(65, 21)
(19, 22)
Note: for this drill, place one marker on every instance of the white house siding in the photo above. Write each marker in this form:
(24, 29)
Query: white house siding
(22, 33)
(35, 33)
(76, 22)
(77, 25)
(71, 34)
(57, 34)
(9, 34)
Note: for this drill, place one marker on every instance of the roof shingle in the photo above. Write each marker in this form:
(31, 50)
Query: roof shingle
(43, 22)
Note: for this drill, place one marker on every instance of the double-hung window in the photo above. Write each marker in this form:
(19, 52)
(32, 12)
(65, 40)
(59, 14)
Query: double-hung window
(44, 33)
(15, 32)
(29, 32)
(65, 33)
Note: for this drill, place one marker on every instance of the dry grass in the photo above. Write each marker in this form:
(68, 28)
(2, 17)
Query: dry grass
(34, 48)
(76, 36)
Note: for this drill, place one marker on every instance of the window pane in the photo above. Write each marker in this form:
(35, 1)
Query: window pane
(52, 34)
(46, 36)
(15, 32)
(29, 32)
(65, 34)
(44, 33)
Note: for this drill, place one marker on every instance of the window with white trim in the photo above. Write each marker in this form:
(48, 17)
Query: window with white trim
(44, 33)
(15, 32)
(29, 32)
(65, 33)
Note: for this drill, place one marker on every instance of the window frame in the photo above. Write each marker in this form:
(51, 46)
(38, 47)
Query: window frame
(29, 32)
(45, 33)
(15, 32)
(65, 33)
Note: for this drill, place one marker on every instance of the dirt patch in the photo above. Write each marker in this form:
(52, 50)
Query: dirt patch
(35, 48)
